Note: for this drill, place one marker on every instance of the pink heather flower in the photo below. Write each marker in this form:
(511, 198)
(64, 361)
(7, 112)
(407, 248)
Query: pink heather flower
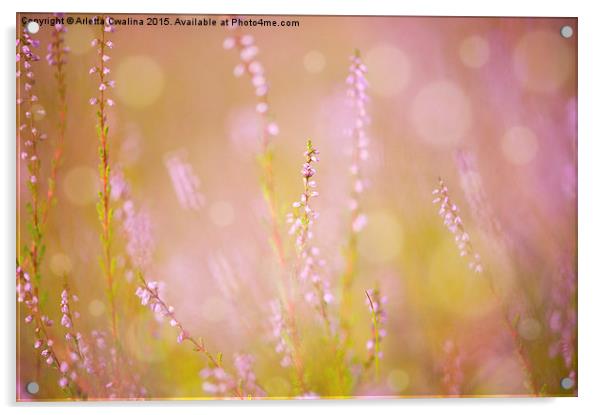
(450, 213)
(93, 101)
(261, 108)
(229, 43)
(185, 182)
(359, 223)
(272, 128)
(63, 382)
(248, 51)
(56, 48)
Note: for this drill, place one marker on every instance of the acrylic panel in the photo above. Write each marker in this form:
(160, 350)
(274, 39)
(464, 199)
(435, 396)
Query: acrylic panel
(295, 207)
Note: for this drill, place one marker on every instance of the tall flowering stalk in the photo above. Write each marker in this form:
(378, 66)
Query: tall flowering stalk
(105, 213)
(56, 58)
(249, 65)
(29, 138)
(375, 302)
(358, 99)
(301, 220)
(450, 213)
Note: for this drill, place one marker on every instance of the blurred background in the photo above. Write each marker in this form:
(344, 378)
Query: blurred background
(500, 92)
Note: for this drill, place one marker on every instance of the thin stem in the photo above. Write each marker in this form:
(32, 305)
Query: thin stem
(105, 194)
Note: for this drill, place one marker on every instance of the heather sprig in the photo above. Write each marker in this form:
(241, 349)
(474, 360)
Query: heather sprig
(149, 295)
(450, 213)
(78, 351)
(217, 381)
(249, 65)
(375, 301)
(44, 343)
(105, 212)
(56, 57)
(29, 138)
(308, 262)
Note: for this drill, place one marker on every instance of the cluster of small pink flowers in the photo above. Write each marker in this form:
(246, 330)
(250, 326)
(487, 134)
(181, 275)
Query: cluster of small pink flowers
(45, 345)
(26, 58)
(248, 51)
(148, 292)
(74, 339)
(280, 333)
(185, 182)
(453, 375)
(450, 213)
(67, 316)
(301, 222)
(217, 381)
(375, 302)
(102, 69)
(356, 92)
(56, 48)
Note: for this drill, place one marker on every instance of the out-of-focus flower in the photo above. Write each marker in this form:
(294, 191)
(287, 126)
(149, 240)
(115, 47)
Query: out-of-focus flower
(358, 99)
(453, 374)
(185, 182)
